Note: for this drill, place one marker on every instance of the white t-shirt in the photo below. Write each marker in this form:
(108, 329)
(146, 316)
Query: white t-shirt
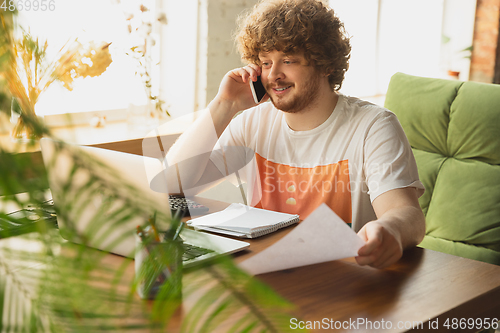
(358, 153)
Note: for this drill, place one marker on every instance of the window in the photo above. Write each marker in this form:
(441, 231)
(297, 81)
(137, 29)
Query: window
(89, 20)
(424, 38)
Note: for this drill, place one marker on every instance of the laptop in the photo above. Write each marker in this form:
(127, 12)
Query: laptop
(86, 223)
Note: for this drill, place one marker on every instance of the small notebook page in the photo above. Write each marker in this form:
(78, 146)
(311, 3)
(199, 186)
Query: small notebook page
(216, 218)
(241, 218)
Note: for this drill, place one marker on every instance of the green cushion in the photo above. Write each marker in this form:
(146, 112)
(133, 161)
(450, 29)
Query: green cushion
(474, 130)
(408, 96)
(428, 165)
(454, 130)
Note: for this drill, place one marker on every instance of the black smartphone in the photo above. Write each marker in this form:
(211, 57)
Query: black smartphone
(258, 90)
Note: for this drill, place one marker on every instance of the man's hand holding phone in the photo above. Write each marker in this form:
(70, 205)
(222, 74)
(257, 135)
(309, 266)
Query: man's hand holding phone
(235, 87)
(235, 94)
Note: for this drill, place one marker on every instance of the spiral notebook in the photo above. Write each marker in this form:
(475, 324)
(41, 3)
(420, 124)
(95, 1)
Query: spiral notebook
(243, 221)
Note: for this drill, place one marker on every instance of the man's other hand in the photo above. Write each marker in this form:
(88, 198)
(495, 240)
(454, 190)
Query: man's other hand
(400, 225)
(383, 246)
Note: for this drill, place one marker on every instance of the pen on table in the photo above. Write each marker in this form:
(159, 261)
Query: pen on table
(178, 231)
(152, 222)
(177, 219)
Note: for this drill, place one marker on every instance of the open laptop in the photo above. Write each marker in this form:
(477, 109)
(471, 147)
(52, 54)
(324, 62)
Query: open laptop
(95, 205)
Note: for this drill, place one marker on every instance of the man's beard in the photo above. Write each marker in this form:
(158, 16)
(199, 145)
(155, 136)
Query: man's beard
(300, 100)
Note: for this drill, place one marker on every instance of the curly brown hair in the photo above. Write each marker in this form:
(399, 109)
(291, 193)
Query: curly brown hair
(296, 26)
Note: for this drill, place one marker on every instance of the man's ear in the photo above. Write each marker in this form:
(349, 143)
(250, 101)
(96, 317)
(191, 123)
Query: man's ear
(325, 73)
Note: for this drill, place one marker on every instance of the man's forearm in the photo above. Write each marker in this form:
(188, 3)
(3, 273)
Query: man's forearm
(408, 222)
(222, 112)
(187, 159)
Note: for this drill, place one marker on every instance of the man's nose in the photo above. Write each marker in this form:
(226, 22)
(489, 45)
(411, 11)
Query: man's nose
(275, 73)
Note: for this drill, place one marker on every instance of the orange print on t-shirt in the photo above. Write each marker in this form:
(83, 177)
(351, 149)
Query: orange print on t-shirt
(298, 190)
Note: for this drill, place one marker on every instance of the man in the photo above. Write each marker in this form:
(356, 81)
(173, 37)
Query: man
(311, 143)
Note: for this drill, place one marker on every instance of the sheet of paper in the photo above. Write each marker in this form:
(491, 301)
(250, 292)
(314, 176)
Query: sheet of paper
(321, 237)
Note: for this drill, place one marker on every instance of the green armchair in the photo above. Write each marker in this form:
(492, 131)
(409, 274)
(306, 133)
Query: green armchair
(454, 130)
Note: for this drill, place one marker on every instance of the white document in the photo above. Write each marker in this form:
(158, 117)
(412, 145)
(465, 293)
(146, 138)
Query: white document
(321, 237)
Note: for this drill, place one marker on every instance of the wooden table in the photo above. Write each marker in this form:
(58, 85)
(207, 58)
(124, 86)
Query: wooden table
(425, 287)
(422, 292)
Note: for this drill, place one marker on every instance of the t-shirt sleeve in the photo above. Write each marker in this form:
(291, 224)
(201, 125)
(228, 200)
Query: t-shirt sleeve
(389, 162)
